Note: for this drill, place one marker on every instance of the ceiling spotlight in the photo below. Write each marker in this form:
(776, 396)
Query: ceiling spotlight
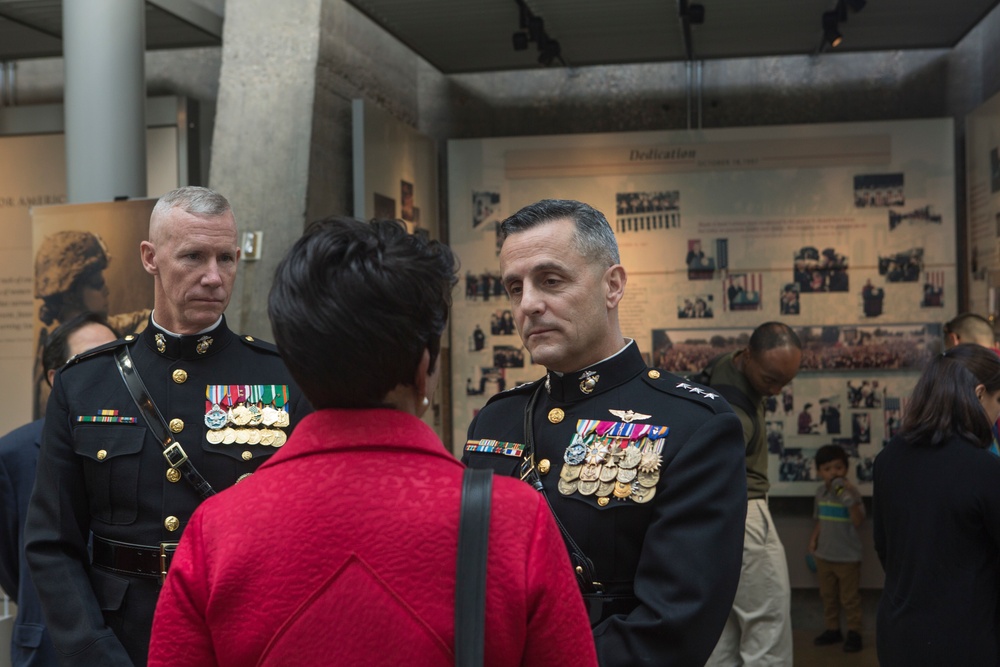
(520, 40)
(831, 33)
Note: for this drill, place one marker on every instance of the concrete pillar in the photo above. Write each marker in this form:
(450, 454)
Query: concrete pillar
(104, 44)
(263, 134)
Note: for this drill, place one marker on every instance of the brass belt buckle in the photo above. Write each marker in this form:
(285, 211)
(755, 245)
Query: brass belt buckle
(175, 455)
(167, 550)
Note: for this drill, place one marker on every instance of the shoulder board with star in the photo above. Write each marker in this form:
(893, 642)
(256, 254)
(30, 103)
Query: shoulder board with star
(101, 349)
(675, 385)
(259, 344)
(525, 388)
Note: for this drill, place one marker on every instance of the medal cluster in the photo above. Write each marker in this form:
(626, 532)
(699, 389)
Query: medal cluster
(613, 460)
(247, 414)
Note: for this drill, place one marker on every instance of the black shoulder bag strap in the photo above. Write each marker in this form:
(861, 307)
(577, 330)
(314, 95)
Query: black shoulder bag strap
(470, 577)
(582, 566)
(172, 451)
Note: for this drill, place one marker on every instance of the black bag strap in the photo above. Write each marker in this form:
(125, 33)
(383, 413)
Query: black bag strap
(470, 575)
(172, 451)
(731, 393)
(583, 567)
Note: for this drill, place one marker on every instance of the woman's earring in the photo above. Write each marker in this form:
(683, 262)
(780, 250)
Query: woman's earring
(425, 402)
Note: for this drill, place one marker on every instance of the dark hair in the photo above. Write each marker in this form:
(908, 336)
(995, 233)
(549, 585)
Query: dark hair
(944, 402)
(55, 352)
(771, 335)
(969, 327)
(594, 238)
(828, 453)
(355, 304)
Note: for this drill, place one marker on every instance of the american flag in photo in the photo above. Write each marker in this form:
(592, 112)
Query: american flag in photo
(741, 291)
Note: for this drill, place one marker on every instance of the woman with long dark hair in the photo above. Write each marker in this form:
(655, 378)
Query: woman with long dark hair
(937, 518)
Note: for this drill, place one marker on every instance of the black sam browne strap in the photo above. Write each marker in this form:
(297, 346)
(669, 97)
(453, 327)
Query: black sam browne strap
(172, 451)
(470, 579)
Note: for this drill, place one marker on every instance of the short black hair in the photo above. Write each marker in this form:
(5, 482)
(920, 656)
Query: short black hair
(771, 335)
(355, 304)
(828, 453)
(55, 351)
(594, 238)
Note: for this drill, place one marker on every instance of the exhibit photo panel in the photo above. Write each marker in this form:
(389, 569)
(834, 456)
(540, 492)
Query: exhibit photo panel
(845, 232)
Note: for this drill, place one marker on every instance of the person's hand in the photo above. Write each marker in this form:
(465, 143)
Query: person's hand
(844, 490)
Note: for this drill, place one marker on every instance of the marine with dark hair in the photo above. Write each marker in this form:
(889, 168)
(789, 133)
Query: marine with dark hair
(354, 522)
(643, 469)
(105, 482)
(30, 645)
(936, 515)
(759, 630)
(969, 328)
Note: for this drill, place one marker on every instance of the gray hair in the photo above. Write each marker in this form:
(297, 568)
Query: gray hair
(193, 199)
(594, 238)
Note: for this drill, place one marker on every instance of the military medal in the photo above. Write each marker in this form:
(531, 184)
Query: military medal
(215, 437)
(605, 489)
(242, 435)
(254, 437)
(641, 494)
(229, 436)
(626, 474)
(283, 420)
(268, 415)
(216, 418)
(267, 437)
(588, 488)
(570, 473)
(575, 453)
(567, 488)
(279, 438)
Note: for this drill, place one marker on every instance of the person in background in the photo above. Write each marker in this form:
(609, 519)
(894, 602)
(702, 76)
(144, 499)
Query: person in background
(969, 328)
(936, 518)
(836, 547)
(354, 522)
(30, 644)
(759, 628)
(112, 495)
(643, 469)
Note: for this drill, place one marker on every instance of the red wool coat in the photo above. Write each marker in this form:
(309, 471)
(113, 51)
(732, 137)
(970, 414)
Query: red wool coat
(341, 549)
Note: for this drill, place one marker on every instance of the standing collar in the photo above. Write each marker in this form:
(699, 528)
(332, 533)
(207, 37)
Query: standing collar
(593, 380)
(196, 346)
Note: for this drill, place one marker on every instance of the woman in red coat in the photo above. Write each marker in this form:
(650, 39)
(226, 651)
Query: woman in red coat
(341, 549)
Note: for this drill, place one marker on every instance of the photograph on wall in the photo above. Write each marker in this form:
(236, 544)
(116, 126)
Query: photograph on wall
(878, 190)
(384, 207)
(782, 405)
(829, 416)
(86, 259)
(886, 347)
(864, 394)
(502, 323)
(485, 207)
(484, 286)
(686, 351)
(790, 299)
(508, 356)
(477, 341)
(861, 427)
(742, 291)
(807, 421)
(902, 267)
(933, 290)
(994, 169)
(647, 211)
(892, 414)
(406, 201)
(490, 380)
(918, 215)
(796, 464)
(820, 271)
(695, 306)
(699, 265)
(872, 299)
(775, 436)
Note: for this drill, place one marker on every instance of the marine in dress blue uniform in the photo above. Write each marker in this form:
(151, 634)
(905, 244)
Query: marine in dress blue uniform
(643, 469)
(666, 544)
(102, 471)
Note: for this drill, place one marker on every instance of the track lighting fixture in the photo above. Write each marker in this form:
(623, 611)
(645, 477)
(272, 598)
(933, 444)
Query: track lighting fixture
(532, 29)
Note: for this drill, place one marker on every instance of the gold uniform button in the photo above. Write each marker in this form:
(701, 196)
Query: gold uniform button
(654, 374)
(556, 415)
(173, 475)
(171, 523)
(180, 376)
(544, 466)
(176, 425)
(247, 456)
(248, 339)
(102, 454)
(603, 501)
(130, 337)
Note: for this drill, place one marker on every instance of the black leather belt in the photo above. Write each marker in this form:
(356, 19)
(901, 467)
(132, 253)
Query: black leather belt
(134, 559)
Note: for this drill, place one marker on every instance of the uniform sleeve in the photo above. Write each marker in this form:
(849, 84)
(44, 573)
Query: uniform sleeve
(10, 539)
(690, 562)
(558, 628)
(55, 536)
(180, 631)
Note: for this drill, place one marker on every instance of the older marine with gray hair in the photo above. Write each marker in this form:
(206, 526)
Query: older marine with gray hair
(139, 431)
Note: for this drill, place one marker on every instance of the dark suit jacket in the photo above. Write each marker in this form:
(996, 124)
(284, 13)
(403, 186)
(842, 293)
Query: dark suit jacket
(30, 644)
(669, 563)
(101, 471)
